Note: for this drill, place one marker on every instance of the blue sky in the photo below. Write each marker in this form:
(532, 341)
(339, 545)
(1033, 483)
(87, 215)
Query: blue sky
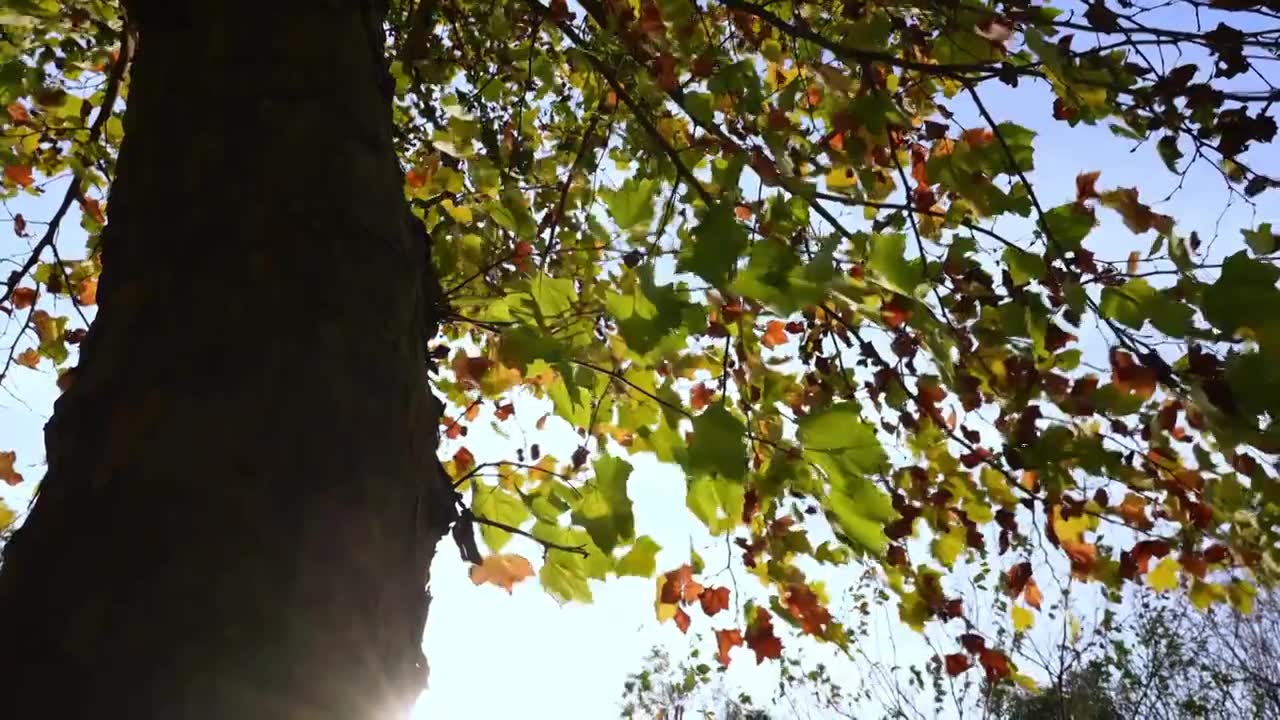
(524, 655)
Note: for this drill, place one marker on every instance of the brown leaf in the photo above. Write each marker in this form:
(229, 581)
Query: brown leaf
(775, 334)
(7, 473)
(1086, 186)
(973, 642)
(714, 600)
(19, 225)
(726, 640)
(24, 297)
(504, 411)
(1132, 377)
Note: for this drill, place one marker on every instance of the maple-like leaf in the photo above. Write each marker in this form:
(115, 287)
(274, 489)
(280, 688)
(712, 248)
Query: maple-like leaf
(1031, 593)
(726, 640)
(714, 599)
(28, 358)
(19, 175)
(760, 637)
(23, 297)
(995, 663)
(502, 570)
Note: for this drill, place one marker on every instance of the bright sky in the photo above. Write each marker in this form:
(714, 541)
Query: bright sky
(524, 655)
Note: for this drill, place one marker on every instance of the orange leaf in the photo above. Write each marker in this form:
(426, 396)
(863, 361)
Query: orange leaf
(24, 297)
(7, 473)
(726, 640)
(957, 663)
(682, 620)
(977, 137)
(415, 178)
(714, 600)
(88, 294)
(1134, 511)
(1083, 555)
(679, 586)
(504, 411)
(1132, 264)
(19, 174)
(775, 334)
(501, 570)
(760, 637)
(1031, 594)
(28, 358)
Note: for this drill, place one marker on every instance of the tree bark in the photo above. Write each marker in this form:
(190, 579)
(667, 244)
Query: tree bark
(242, 498)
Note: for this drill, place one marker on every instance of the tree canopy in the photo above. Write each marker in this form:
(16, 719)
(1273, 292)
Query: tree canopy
(797, 249)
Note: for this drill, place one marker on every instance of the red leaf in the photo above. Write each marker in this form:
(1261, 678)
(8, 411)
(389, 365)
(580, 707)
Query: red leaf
(760, 637)
(1132, 377)
(957, 663)
(93, 209)
(895, 312)
(504, 411)
(18, 114)
(682, 620)
(995, 663)
(973, 642)
(714, 600)
(726, 640)
(464, 460)
(803, 604)
(775, 334)
(701, 396)
(679, 586)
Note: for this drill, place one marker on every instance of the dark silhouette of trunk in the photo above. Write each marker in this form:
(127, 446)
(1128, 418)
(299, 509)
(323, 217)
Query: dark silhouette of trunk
(242, 497)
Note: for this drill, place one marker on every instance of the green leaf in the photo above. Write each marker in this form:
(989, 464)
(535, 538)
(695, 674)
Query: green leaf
(632, 205)
(494, 503)
(718, 242)
(552, 296)
(1023, 266)
(1169, 152)
(716, 501)
(562, 580)
(641, 560)
(1262, 241)
(1128, 303)
(887, 258)
(604, 509)
(840, 435)
(718, 444)
(1068, 225)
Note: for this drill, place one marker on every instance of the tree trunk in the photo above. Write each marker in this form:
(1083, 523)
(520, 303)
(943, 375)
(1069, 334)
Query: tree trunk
(242, 498)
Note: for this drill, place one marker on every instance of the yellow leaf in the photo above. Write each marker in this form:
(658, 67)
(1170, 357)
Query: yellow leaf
(501, 570)
(841, 177)
(1164, 576)
(1241, 594)
(1204, 594)
(1070, 531)
(946, 548)
(7, 516)
(1026, 683)
(460, 215)
(1023, 619)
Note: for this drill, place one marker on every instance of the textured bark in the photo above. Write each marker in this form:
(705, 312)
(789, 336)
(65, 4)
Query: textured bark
(242, 500)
